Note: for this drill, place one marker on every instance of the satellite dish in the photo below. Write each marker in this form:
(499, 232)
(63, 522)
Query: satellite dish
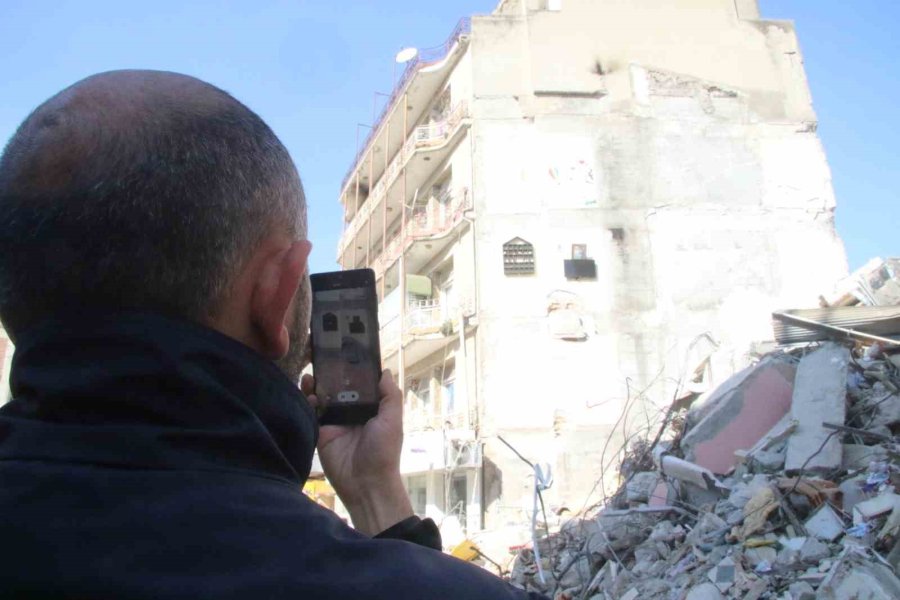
(406, 54)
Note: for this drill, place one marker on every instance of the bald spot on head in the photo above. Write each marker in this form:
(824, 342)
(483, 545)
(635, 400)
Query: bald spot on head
(137, 189)
(103, 113)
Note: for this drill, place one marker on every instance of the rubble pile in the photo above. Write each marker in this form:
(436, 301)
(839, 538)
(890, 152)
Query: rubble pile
(784, 482)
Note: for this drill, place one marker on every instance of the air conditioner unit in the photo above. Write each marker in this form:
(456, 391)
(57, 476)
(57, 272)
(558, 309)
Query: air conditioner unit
(468, 454)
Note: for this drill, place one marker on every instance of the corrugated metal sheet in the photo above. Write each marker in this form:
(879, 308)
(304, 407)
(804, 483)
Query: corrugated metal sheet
(882, 321)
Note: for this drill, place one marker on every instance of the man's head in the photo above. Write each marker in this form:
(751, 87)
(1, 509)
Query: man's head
(154, 191)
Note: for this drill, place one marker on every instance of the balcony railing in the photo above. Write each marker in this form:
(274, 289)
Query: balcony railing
(432, 219)
(420, 419)
(424, 136)
(424, 58)
(424, 317)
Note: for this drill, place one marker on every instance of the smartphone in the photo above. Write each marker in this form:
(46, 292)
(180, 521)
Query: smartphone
(346, 353)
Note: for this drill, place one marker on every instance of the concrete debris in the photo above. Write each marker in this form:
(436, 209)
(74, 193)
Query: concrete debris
(825, 524)
(783, 484)
(854, 575)
(705, 591)
(820, 393)
(743, 413)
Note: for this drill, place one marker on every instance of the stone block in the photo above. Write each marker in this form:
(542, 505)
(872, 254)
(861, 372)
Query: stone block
(854, 577)
(705, 591)
(857, 456)
(825, 524)
(744, 409)
(641, 486)
(820, 392)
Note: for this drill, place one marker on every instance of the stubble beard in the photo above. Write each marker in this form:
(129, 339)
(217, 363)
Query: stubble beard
(296, 359)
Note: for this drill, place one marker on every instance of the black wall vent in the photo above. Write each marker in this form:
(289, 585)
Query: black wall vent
(584, 268)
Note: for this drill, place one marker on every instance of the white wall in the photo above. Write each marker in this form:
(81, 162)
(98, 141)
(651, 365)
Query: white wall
(691, 169)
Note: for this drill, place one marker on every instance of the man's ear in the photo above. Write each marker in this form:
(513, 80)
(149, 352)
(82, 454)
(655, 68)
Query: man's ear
(273, 294)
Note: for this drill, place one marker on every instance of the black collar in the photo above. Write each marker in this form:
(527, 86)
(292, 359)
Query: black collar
(139, 390)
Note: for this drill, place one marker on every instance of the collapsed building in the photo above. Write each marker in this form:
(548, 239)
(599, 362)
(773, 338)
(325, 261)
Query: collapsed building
(782, 482)
(569, 206)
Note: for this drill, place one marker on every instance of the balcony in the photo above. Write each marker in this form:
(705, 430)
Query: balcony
(424, 419)
(425, 58)
(427, 319)
(429, 137)
(430, 220)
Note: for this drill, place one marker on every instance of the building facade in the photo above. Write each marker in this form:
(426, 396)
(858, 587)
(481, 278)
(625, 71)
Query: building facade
(578, 210)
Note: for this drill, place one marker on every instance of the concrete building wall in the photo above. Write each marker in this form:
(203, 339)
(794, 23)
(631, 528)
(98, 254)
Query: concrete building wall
(674, 142)
(688, 164)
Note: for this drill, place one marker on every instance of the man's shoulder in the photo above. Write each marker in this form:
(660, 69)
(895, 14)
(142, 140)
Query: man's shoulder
(238, 535)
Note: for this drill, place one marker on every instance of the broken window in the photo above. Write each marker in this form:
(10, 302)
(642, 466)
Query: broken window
(518, 257)
(418, 493)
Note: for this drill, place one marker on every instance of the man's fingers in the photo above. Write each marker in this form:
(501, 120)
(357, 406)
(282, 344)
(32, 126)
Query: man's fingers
(308, 384)
(391, 407)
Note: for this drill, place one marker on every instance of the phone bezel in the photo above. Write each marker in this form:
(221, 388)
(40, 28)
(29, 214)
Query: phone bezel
(361, 412)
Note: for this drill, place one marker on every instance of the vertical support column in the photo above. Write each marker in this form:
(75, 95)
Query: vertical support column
(370, 199)
(402, 266)
(355, 205)
(384, 204)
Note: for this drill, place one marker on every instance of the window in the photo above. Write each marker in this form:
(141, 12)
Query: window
(458, 499)
(417, 493)
(423, 393)
(518, 257)
(449, 395)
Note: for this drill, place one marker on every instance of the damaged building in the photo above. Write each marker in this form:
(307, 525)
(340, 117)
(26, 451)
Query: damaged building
(782, 482)
(576, 211)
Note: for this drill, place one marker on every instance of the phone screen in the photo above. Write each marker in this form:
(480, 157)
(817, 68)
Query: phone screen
(346, 354)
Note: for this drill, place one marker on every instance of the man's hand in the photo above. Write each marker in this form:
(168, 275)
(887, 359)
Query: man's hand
(363, 463)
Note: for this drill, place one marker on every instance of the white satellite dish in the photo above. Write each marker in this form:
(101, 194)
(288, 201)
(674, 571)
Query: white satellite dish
(406, 54)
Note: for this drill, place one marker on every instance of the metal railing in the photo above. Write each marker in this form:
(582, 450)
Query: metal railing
(425, 136)
(433, 219)
(423, 59)
(424, 316)
(419, 419)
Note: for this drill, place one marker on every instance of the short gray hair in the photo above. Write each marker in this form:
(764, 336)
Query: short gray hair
(151, 203)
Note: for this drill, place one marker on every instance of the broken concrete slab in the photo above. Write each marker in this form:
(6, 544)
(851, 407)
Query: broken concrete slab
(854, 576)
(744, 409)
(857, 456)
(825, 524)
(705, 591)
(813, 551)
(874, 507)
(690, 472)
(800, 590)
(820, 392)
(641, 486)
(723, 574)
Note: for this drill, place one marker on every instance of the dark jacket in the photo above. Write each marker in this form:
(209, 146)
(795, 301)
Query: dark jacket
(144, 457)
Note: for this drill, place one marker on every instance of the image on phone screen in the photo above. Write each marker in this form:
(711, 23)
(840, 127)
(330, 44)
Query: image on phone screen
(346, 356)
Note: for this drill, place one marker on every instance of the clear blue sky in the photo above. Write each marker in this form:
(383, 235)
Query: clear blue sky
(310, 68)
